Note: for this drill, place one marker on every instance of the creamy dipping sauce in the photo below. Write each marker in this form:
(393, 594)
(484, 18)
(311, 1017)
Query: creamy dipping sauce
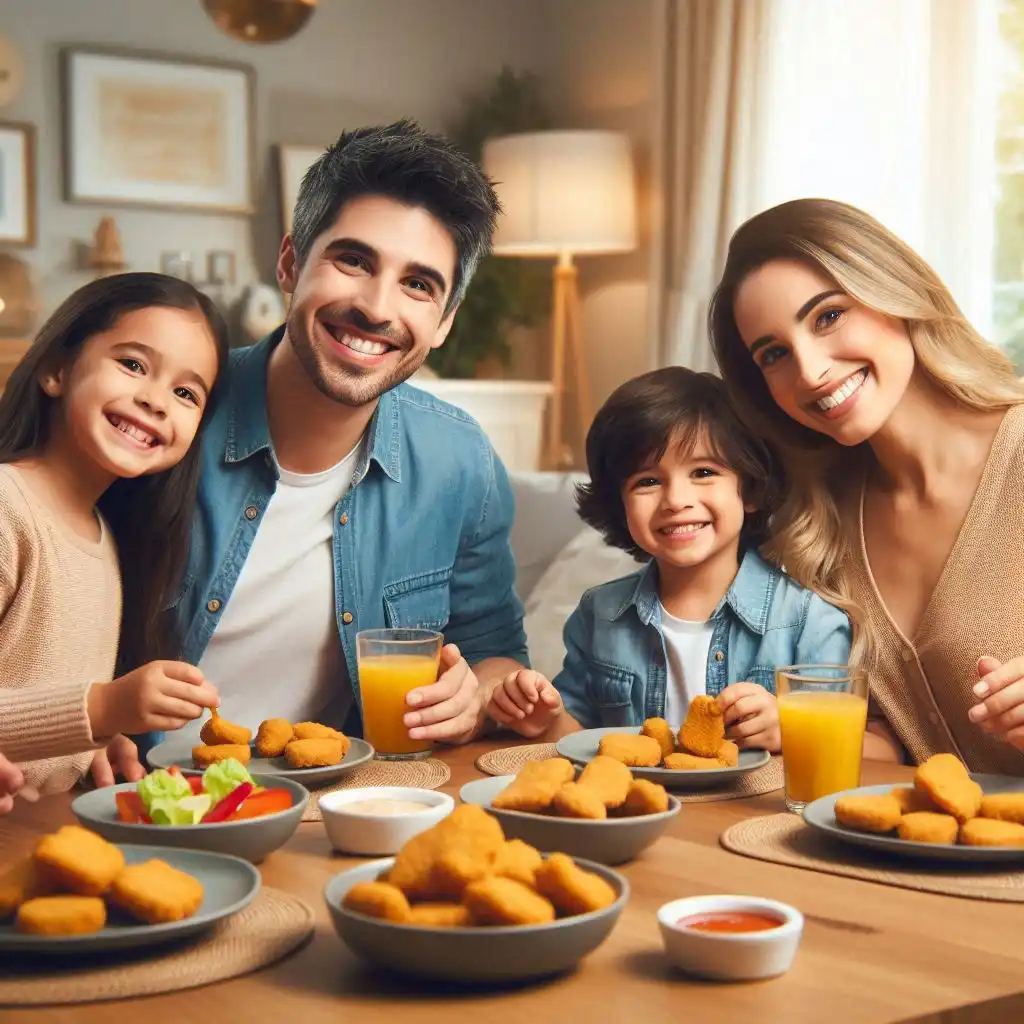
(730, 922)
(384, 807)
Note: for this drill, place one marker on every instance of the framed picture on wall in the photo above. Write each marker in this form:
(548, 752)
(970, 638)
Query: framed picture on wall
(17, 183)
(149, 129)
(293, 162)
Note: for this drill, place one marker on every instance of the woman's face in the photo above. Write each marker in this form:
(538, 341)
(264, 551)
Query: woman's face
(829, 362)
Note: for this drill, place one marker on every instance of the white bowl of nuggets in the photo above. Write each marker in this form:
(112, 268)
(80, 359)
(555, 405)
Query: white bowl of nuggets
(78, 892)
(606, 815)
(462, 903)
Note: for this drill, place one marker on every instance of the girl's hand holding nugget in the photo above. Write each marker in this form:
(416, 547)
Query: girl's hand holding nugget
(1001, 692)
(751, 717)
(526, 702)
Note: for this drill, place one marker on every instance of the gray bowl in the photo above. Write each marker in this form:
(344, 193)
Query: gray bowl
(251, 839)
(472, 955)
(607, 841)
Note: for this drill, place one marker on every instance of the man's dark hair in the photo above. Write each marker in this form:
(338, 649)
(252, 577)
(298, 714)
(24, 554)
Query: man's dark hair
(636, 426)
(402, 162)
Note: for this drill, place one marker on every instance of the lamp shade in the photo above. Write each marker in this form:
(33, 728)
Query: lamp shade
(563, 192)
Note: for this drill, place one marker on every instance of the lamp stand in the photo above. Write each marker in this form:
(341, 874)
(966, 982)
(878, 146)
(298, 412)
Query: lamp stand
(566, 333)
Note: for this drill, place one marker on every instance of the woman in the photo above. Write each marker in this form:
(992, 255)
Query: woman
(903, 434)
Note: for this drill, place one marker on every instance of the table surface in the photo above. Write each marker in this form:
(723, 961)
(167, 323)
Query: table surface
(870, 953)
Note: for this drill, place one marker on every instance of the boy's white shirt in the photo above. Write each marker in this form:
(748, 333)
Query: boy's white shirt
(686, 646)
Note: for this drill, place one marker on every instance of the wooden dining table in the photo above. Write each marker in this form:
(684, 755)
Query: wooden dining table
(870, 952)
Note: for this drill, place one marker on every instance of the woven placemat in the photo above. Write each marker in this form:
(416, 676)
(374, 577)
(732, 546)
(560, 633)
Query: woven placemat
(785, 839)
(509, 760)
(430, 773)
(274, 925)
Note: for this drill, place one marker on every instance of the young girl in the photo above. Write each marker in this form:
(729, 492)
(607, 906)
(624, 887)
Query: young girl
(97, 461)
(678, 481)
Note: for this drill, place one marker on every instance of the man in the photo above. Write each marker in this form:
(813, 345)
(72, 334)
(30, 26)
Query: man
(336, 498)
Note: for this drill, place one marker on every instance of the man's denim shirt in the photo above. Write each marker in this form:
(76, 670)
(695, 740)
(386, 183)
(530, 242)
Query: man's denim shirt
(614, 672)
(420, 540)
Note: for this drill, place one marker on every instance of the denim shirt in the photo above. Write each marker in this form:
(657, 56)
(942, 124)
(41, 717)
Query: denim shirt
(420, 540)
(615, 663)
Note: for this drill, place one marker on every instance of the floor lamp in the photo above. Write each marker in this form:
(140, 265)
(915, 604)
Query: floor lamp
(565, 194)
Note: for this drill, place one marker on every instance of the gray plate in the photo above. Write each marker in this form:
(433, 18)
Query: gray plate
(607, 841)
(581, 747)
(178, 750)
(230, 885)
(473, 955)
(251, 839)
(820, 815)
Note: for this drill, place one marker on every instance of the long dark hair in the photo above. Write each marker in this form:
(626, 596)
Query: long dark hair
(149, 516)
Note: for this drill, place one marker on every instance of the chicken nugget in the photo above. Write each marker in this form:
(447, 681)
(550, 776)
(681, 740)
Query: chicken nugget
(156, 893)
(912, 800)
(944, 779)
(314, 753)
(535, 785)
(78, 861)
(658, 729)
(690, 762)
(378, 899)
(440, 915)
(62, 915)
(571, 889)
(1003, 807)
(928, 827)
(875, 813)
(574, 800)
(645, 797)
(217, 731)
(504, 901)
(728, 755)
(518, 860)
(455, 868)
(19, 882)
(316, 731)
(632, 751)
(273, 736)
(989, 832)
(608, 778)
(204, 756)
(704, 729)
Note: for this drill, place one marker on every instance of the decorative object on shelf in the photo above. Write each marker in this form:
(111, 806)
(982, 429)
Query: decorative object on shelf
(19, 304)
(17, 183)
(259, 21)
(504, 293)
(157, 130)
(12, 71)
(262, 310)
(292, 164)
(220, 267)
(176, 264)
(107, 255)
(565, 194)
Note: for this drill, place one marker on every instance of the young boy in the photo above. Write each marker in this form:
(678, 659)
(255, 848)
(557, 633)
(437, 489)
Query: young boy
(677, 480)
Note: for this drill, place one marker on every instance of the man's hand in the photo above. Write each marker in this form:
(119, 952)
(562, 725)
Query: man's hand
(121, 757)
(449, 710)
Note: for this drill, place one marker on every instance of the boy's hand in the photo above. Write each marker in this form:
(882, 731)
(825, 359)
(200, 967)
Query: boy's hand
(751, 716)
(1001, 708)
(526, 702)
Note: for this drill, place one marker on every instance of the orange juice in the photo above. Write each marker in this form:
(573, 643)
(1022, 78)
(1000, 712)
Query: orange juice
(384, 682)
(822, 741)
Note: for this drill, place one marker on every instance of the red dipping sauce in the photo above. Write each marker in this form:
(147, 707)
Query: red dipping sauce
(730, 922)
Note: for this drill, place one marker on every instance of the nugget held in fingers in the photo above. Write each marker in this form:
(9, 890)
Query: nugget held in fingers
(1003, 807)
(535, 785)
(691, 763)
(704, 729)
(571, 889)
(503, 901)
(944, 779)
(204, 756)
(574, 800)
(378, 899)
(928, 827)
(156, 893)
(608, 778)
(78, 861)
(658, 729)
(315, 753)
(517, 860)
(219, 731)
(632, 751)
(988, 832)
(439, 915)
(273, 736)
(62, 915)
(728, 754)
(875, 813)
(645, 797)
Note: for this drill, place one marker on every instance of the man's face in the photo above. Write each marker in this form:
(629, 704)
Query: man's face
(368, 304)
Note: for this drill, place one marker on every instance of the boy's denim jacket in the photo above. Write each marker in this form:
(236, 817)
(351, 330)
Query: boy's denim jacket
(615, 663)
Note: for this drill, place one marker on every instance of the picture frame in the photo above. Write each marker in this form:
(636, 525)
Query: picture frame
(220, 267)
(176, 264)
(292, 163)
(157, 130)
(17, 184)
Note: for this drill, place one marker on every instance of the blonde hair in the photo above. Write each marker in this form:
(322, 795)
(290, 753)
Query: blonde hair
(868, 262)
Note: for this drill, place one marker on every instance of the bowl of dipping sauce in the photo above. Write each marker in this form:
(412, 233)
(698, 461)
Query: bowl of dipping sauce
(730, 938)
(376, 821)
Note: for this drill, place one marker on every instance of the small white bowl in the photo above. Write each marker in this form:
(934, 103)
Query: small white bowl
(377, 835)
(729, 956)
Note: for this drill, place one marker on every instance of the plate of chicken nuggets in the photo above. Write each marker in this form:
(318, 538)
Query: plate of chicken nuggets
(77, 893)
(461, 902)
(698, 756)
(604, 815)
(946, 814)
(308, 752)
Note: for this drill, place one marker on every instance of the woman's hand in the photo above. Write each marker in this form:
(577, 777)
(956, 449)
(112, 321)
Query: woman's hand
(1001, 693)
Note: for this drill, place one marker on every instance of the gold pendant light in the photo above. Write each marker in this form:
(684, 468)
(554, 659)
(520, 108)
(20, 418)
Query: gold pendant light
(259, 21)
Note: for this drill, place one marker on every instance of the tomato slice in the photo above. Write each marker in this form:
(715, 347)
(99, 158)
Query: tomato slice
(267, 801)
(131, 809)
(196, 782)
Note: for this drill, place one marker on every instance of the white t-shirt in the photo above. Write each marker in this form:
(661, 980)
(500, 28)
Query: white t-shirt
(275, 652)
(686, 645)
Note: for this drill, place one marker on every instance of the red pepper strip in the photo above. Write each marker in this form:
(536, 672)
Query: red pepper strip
(267, 801)
(131, 809)
(227, 806)
(196, 782)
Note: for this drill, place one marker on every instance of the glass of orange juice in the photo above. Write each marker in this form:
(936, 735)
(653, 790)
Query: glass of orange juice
(823, 711)
(392, 663)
